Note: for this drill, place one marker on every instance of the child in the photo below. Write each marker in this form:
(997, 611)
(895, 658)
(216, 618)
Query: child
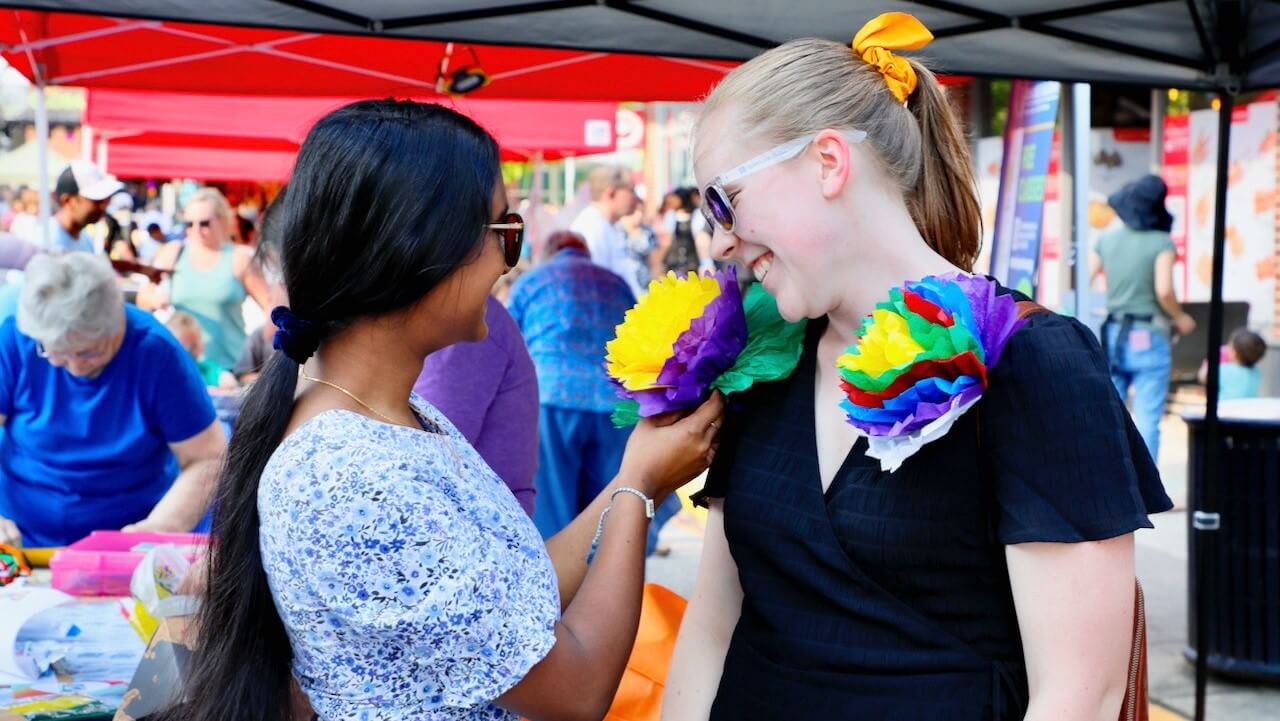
(1240, 377)
(188, 332)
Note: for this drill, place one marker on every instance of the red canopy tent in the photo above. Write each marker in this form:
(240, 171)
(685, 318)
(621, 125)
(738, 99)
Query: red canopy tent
(99, 51)
(251, 137)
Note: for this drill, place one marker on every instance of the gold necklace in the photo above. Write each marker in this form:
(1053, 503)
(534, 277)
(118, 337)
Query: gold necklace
(427, 424)
(303, 372)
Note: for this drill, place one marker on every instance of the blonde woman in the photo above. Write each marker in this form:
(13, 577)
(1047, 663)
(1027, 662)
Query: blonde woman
(211, 276)
(991, 576)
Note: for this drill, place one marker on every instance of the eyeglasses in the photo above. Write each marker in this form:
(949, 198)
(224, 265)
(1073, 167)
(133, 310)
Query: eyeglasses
(511, 230)
(204, 223)
(716, 206)
(84, 356)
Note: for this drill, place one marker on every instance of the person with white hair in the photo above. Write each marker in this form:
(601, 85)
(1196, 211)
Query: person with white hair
(107, 421)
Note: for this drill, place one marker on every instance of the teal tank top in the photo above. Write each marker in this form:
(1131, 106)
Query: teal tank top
(214, 297)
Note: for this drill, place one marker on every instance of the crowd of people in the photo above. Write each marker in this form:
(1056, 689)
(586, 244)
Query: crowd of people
(532, 396)
(423, 508)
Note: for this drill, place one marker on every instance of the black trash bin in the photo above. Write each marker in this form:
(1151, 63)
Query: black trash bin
(1243, 614)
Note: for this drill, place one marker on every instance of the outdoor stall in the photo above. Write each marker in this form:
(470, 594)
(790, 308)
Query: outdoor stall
(255, 137)
(345, 47)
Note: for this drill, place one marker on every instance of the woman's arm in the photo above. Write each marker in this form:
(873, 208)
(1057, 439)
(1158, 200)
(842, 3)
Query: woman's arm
(250, 275)
(1075, 614)
(708, 624)
(1182, 322)
(200, 458)
(568, 548)
(580, 675)
(150, 296)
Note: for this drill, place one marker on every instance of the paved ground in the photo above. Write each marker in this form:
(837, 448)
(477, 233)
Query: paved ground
(1162, 565)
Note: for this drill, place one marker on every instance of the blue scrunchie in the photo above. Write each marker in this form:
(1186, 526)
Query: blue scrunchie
(295, 337)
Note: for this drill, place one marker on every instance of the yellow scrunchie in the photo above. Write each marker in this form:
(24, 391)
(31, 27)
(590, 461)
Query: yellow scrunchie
(892, 31)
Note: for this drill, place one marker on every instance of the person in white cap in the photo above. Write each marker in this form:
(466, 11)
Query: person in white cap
(82, 192)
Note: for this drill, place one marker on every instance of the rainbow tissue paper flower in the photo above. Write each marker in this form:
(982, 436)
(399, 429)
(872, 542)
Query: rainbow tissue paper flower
(694, 334)
(921, 360)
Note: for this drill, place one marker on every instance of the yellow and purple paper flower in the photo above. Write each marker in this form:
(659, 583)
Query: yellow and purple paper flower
(921, 360)
(691, 335)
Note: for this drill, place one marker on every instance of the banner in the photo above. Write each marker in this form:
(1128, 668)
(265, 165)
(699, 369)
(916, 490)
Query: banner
(1177, 134)
(1251, 217)
(1033, 113)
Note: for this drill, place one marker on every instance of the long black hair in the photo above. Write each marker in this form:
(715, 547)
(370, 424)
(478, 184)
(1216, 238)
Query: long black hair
(387, 198)
(270, 235)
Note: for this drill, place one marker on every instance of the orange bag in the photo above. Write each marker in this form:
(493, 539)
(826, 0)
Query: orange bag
(639, 696)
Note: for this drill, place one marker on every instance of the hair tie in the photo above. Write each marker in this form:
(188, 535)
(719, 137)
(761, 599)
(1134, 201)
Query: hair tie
(295, 337)
(892, 31)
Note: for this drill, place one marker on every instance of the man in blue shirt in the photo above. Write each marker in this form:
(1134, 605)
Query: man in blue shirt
(568, 308)
(107, 421)
(82, 192)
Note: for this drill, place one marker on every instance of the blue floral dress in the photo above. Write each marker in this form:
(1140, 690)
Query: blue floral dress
(410, 581)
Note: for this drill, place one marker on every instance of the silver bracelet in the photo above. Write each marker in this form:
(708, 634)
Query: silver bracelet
(648, 513)
(648, 502)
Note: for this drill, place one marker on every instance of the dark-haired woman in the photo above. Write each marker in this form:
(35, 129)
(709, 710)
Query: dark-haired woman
(359, 542)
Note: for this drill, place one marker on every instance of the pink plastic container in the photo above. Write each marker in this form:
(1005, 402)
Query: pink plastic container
(103, 563)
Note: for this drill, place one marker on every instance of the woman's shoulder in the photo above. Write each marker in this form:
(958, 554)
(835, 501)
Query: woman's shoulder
(1050, 349)
(167, 255)
(339, 447)
(241, 258)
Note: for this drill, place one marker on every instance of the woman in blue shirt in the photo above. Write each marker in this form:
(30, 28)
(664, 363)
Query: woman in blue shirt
(107, 421)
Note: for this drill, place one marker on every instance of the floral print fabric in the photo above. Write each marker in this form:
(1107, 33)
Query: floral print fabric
(410, 581)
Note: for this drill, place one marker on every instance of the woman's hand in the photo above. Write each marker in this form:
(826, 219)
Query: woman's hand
(1184, 324)
(9, 532)
(666, 452)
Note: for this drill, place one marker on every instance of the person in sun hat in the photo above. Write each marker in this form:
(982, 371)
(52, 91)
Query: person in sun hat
(82, 194)
(1142, 309)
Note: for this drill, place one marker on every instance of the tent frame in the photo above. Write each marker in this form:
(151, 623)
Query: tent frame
(1208, 63)
(1221, 64)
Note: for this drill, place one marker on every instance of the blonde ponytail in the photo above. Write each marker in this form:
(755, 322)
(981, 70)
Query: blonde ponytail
(944, 202)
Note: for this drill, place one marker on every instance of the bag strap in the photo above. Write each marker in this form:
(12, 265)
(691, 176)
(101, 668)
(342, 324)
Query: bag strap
(1134, 707)
(1029, 308)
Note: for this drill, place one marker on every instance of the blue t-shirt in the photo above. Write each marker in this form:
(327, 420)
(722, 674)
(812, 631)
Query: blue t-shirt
(1236, 381)
(84, 454)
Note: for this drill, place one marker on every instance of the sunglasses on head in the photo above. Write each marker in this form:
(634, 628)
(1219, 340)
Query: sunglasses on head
(511, 230)
(716, 206)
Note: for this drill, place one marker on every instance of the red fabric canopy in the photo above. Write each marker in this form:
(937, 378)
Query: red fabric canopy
(223, 137)
(97, 51)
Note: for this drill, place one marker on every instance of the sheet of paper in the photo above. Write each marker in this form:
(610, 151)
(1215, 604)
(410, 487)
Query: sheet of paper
(106, 648)
(19, 603)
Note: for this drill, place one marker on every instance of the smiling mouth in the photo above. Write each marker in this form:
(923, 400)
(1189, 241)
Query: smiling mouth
(760, 266)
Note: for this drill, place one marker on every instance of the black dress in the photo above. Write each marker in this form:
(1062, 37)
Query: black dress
(888, 597)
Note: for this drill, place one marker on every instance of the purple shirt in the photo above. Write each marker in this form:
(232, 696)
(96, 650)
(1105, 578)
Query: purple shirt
(489, 390)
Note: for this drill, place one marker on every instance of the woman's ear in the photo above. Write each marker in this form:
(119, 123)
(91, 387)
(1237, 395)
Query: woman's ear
(834, 162)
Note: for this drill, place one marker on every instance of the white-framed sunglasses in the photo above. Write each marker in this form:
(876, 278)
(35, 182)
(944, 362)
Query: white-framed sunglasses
(715, 200)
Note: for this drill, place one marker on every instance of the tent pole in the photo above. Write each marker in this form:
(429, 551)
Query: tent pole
(1075, 155)
(1205, 519)
(87, 141)
(1159, 104)
(42, 155)
(570, 175)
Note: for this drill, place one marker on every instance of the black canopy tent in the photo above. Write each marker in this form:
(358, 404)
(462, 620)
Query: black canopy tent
(1160, 43)
(1221, 46)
